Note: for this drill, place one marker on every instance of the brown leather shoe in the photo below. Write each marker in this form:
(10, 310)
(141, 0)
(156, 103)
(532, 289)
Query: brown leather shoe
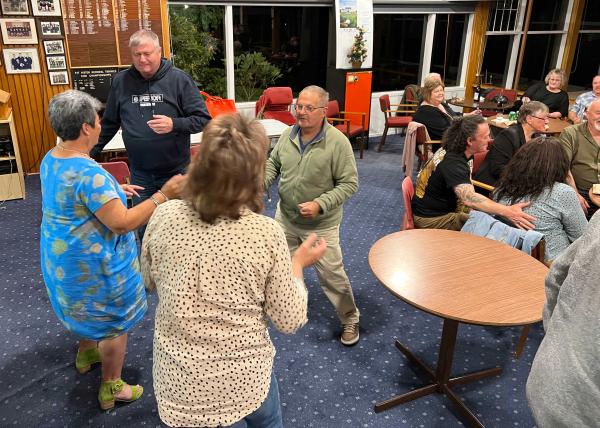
(350, 334)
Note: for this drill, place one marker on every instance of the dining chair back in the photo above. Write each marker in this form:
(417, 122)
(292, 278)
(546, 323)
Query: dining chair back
(119, 170)
(399, 117)
(510, 94)
(275, 103)
(408, 191)
(351, 130)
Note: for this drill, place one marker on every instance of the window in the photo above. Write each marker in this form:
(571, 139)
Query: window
(545, 36)
(494, 67)
(541, 53)
(548, 15)
(585, 62)
(197, 45)
(448, 41)
(289, 43)
(397, 48)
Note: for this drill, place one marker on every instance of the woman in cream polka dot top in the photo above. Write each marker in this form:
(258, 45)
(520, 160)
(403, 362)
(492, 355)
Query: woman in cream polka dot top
(221, 269)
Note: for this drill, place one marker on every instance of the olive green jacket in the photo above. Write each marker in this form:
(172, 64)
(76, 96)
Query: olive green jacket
(325, 173)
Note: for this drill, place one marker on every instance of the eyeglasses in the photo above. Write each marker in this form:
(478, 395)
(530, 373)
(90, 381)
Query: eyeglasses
(545, 119)
(309, 108)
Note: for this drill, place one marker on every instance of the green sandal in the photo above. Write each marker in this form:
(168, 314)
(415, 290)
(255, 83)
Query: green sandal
(108, 389)
(85, 359)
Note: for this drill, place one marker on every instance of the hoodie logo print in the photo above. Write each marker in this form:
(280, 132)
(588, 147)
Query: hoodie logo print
(147, 100)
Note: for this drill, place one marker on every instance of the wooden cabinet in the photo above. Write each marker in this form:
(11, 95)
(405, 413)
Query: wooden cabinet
(12, 183)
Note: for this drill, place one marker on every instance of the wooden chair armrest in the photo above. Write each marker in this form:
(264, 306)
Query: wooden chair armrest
(405, 105)
(400, 111)
(337, 119)
(434, 142)
(353, 112)
(482, 185)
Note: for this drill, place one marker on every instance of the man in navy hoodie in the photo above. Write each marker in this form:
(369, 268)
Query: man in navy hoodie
(158, 106)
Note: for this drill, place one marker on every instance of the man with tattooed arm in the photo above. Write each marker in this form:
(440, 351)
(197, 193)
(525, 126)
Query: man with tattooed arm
(444, 190)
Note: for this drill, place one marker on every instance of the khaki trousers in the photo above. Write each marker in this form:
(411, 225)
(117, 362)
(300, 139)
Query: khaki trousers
(450, 221)
(330, 268)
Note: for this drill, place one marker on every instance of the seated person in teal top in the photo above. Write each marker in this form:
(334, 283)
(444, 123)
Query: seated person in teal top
(88, 252)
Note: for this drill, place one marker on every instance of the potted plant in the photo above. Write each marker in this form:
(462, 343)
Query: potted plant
(358, 51)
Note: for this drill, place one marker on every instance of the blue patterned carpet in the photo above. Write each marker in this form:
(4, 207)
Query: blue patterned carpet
(322, 383)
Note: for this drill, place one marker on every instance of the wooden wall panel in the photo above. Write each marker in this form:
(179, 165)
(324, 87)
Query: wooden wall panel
(29, 96)
(475, 58)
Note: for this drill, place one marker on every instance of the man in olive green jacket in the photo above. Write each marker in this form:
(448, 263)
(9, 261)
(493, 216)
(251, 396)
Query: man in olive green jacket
(318, 174)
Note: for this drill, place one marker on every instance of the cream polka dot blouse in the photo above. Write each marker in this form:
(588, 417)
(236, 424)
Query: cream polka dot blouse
(216, 284)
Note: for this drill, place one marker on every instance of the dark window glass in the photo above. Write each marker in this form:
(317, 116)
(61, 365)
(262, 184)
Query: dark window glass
(540, 55)
(397, 47)
(503, 15)
(585, 61)
(448, 42)
(495, 60)
(289, 43)
(197, 45)
(548, 15)
(591, 15)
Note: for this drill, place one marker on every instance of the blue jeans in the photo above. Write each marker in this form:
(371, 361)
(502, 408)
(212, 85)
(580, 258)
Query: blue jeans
(151, 184)
(268, 415)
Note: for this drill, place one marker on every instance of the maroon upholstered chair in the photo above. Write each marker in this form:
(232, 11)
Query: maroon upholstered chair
(510, 94)
(408, 191)
(119, 170)
(275, 103)
(391, 119)
(338, 119)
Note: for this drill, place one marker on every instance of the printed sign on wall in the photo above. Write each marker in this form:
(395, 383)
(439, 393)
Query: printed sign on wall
(352, 16)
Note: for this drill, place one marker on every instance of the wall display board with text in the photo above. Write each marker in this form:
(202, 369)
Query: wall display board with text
(350, 16)
(94, 81)
(98, 31)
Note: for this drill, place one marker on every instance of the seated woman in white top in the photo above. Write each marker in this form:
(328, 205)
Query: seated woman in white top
(537, 173)
(221, 270)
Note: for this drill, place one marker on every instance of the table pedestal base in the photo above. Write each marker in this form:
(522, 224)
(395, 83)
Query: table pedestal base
(441, 382)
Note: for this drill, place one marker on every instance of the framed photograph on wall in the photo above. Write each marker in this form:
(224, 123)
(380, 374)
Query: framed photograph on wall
(15, 7)
(45, 7)
(21, 60)
(50, 28)
(56, 62)
(54, 47)
(58, 77)
(18, 31)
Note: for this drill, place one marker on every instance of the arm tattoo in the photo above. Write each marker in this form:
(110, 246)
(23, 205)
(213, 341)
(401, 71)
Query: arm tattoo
(466, 193)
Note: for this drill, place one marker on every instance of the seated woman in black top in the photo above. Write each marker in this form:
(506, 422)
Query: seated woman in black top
(550, 93)
(533, 118)
(433, 112)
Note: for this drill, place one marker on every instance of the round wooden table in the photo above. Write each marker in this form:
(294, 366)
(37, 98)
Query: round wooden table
(461, 278)
(555, 125)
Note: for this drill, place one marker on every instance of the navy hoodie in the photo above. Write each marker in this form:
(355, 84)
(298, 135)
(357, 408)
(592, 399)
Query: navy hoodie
(131, 103)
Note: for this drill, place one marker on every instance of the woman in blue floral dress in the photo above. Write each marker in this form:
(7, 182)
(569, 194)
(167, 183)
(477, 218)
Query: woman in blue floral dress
(88, 250)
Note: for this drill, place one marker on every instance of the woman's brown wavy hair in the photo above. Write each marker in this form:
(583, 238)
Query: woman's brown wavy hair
(226, 174)
(538, 164)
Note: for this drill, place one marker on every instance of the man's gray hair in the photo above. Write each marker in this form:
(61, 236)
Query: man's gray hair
(140, 35)
(69, 110)
(532, 108)
(323, 94)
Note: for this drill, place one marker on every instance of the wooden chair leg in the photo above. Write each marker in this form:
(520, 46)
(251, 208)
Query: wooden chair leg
(382, 141)
(521, 344)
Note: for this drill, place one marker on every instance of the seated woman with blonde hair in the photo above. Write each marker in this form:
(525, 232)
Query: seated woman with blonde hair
(221, 271)
(434, 112)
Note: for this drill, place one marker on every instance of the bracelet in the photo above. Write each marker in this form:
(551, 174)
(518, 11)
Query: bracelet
(165, 196)
(153, 199)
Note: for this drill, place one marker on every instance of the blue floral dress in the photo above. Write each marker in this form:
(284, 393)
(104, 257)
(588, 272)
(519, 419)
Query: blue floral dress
(92, 275)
